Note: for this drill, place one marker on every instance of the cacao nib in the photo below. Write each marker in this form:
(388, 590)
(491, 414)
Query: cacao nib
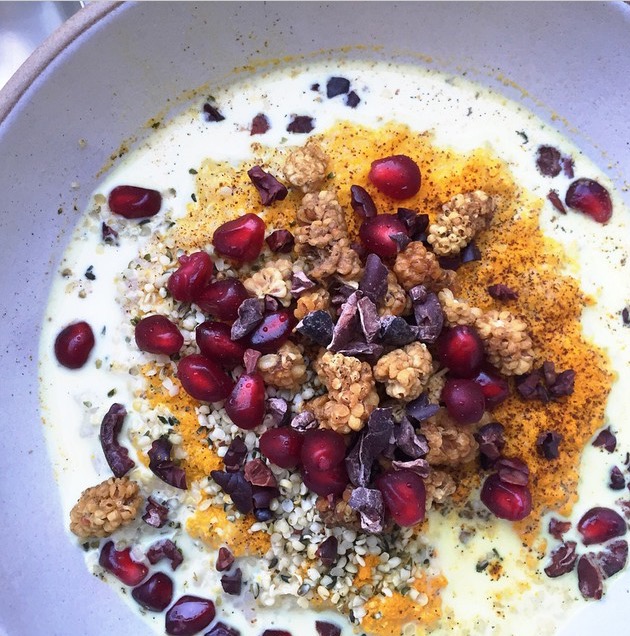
(547, 445)
(545, 384)
(235, 456)
(502, 292)
(340, 292)
(567, 167)
(373, 440)
(109, 234)
(563, 560)
(262, 496)
(428, 314)
(564, 384)
(280, 241)
(347, 328)
(221, 629)
(512, 470)
(415, 223)
(250, 314)
(155, 514)
(396, 331)
(491, 440)
(165, 549)
(361, 202)
(277, 412)
(235, 485)
(421, 409)
(368, 319)
(358, 349)
(401, 239)
(318, 326)
(301, 283)
(337, 86)
(315, 87)
(548, 161)
(373, 283)
(161, 464)
(250, 360)
(352, 100)
(258, 473)
(617, 480)
(327, 551)
(606, 439)
(263, 514)
(116, 454)
(409, 442)
(368, 502)
(557, 528)
(269, 188)
(324, 628)
(232, 583)
(225, 560)
(260, 125)
(613, 558)
(467, 255)
(301, 124)
(625, 316)
(556, 201)
(304, 421)
(590, 578)
(418, 466)
(211, 113)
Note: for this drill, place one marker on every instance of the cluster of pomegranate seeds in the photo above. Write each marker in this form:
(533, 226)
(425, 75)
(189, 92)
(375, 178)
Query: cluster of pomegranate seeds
(74, 344)
(397, 176)
(133, 202)
(241, 239)
(189, 615)
(157, 334)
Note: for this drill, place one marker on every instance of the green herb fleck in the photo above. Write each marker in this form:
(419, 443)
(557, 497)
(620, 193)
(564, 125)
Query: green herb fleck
(111, 393)
(523, 136)
(193, 196)
(192, 171)
(147, 257)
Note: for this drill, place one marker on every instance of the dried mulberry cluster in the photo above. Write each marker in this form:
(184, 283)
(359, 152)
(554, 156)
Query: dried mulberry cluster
(102, 509)
(457, 312)
(405, 371)
(415, 265)
(272, 280)
(396, 301)
(439, 485)
(449, 444)
(461, 218)
(338, 513)
(312, 301)
(285, 369)
(305, 167)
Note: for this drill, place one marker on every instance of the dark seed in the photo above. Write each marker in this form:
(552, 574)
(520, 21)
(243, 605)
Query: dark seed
(563, 560)
(361, 202)
(269, 188)
(211, 113)
(547, 445)
(337, 86)
(556, 201)
(548, 161)
(301, 124)
(109, 235)
(502, 292)
(260, 125)
(263, 514)
(281, 241)
(590, 579)
(353, 100)
(617, 480)
(232, 583)
(225, 560)
(625, 316)
(607, 440)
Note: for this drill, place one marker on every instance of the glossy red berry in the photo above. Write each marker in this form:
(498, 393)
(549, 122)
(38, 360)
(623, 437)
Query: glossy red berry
(246, 404)
(397, 176)
(189, 615)
(192, 275)
(322, 449)
(404, 496)
(134, 202)
(203, 379)
(326, 482)
(464, 400)
(600, 524)
(214, 341)
(157, 334)
(272, 332)
(461, 350)
(506, 500)
(590, 197)
(376, 232)
(155, 594)
(282, 446)
(74, 344)
(121, 565)
(240, 239)
(222, 298)
(494, 386)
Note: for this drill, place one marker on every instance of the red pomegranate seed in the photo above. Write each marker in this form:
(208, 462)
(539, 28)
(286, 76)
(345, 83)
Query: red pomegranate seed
(376, 232)
(272, 332)
(461, 350)
(222, 298)
(192, 275)
(157, 334)
(246, 404)
(214, 342)
(397, 176)
(240, 239)
(464, 400)
(404, 496)
(326, 482)
(324, 628)
(590, 197)
(134, 202)
(506, 500)
(276, 632)
(495, 387)
(322, 449)
(121, 565)
(154, 594)
(282, 446)
(74, 344)
(189, 615)
(203, 379)
(600, 524)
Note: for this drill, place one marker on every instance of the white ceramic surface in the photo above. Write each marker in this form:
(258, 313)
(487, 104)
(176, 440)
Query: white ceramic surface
(112, 67)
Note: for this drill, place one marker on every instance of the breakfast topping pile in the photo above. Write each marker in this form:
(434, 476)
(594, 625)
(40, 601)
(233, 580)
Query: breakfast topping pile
(344, 351)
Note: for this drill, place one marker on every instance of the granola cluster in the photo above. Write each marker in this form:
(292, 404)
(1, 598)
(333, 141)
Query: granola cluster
(351, 394)
(305, 167)
(405, 371)
(285, 369)
(102, 509)
(415, 265)
(459, 221)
